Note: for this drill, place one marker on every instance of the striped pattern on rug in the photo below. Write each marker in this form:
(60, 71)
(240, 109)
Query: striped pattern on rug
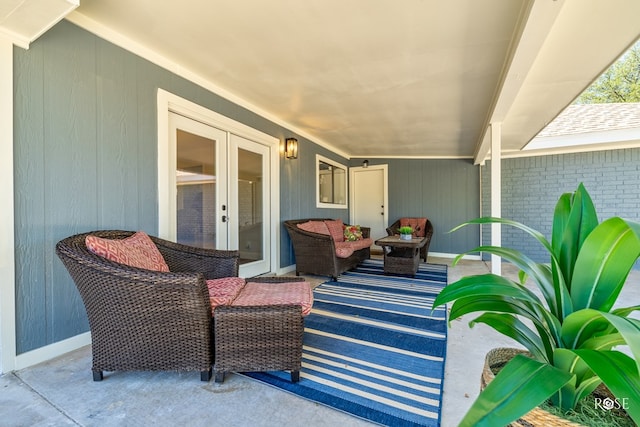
(373, 348)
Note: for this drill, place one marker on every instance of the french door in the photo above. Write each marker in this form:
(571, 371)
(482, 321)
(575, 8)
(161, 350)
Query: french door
(219, 192)
(249, 197)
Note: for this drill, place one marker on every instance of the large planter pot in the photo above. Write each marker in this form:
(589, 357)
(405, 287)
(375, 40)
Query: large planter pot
(537, 417)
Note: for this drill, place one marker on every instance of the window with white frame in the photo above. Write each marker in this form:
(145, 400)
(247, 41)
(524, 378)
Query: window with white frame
(331, 183)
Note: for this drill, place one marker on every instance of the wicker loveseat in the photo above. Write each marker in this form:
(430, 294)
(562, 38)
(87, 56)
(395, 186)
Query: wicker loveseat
(316, 252)
(152, 320)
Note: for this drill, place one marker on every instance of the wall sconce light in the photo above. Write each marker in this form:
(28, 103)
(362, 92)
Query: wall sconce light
(365, 164)
(291, 148)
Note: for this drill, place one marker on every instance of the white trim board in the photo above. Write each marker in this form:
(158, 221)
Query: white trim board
(50, 351)
(7, 244)
(448, 255)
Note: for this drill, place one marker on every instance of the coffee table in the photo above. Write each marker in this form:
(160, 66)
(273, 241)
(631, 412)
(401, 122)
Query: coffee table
(401, 256)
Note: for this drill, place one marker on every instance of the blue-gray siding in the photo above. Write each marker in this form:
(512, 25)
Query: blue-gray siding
(85, 158)
(445, 191)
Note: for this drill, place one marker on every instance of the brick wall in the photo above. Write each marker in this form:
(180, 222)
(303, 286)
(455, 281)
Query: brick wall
(531, 187)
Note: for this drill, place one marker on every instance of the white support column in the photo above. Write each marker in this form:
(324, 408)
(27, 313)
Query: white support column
(496, 193)
(7, 254)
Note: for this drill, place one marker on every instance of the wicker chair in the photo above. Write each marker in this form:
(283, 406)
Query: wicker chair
(424, 251)
(148, 320)
(316, 254)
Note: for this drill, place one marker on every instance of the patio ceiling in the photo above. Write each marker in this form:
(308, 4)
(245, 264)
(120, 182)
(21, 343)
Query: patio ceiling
(383, 78)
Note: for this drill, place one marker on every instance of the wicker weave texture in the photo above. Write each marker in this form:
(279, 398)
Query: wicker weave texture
(424, 251)
(401, 261)
(147, 320)
(316, 253)
(537, 417)
(259, 338)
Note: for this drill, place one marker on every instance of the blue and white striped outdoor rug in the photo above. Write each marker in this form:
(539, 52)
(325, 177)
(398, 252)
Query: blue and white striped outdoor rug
(373, 348)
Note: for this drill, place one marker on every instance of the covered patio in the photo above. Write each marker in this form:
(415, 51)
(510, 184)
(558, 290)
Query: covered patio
(445, 95)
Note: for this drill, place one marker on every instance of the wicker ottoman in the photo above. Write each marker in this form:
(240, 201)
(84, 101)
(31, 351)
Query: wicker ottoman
(262, 337)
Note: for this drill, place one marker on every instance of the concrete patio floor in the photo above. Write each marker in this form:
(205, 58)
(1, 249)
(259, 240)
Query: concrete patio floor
(61, 392)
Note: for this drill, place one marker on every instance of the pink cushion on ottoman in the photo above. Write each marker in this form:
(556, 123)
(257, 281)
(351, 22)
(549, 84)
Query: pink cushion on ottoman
(137, 250)
(223, 291)
(289, 293)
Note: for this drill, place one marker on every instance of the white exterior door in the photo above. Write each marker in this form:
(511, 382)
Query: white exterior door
(368, 194)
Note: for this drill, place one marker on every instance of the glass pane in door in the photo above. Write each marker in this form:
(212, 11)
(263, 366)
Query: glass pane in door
(196, 190)
(250, 206)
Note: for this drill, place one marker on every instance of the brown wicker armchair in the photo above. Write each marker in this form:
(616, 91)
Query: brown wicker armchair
(316, 253)
(148, 320)
(428, 233)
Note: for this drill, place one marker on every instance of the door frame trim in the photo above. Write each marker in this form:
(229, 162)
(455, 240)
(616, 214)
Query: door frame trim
(167, 103)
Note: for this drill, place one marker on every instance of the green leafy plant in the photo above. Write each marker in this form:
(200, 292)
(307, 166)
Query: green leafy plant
(573, 329)
(405, 230)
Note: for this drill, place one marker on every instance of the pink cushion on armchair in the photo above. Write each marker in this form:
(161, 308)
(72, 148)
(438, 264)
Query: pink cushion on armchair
(137, 250)
(419, 225)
